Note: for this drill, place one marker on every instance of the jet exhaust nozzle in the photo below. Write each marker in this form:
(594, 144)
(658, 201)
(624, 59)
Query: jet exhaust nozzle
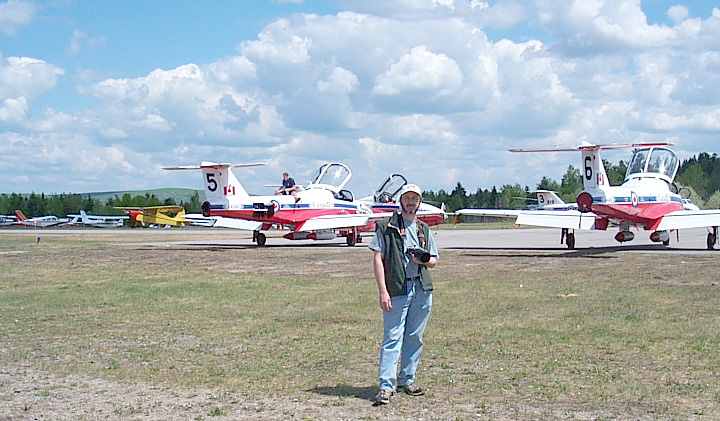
(624, 236)
(584, 202)
(659, 236)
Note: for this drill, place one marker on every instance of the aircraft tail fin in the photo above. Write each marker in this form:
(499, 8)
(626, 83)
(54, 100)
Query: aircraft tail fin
(593, 169)
(548, 197)
(222, 188)
(20, 215)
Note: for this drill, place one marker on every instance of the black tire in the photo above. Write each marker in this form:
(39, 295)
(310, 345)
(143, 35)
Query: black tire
(710, 241)
(350, 239)
(570, 241)
(261, 239)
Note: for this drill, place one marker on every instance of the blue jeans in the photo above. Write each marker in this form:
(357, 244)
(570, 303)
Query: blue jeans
(403, 328)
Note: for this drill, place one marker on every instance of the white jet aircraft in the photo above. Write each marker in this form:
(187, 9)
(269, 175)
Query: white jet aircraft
(648, 199)
(324, 210)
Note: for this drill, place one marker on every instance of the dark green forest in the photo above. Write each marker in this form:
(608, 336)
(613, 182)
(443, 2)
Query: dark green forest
(698, 178)
(64, 204)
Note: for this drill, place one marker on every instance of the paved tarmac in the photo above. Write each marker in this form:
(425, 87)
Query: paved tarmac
(541, 240)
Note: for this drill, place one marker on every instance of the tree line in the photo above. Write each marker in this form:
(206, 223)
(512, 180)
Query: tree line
(64, 204)
(698, 179)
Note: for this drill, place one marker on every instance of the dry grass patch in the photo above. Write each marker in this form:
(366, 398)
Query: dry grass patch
(280, 332)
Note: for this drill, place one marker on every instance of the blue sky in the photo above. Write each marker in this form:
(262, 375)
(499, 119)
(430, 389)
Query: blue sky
(98, 95)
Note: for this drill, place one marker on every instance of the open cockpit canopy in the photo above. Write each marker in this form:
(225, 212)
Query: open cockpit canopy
(331, 176)
(653, 162)
(390, 188)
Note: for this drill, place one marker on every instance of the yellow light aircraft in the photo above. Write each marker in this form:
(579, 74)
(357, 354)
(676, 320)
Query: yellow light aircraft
(167, 215)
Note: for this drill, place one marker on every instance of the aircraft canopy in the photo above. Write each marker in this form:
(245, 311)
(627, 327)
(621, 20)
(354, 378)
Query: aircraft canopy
(654, 162)
(387, 190)
(331, 176)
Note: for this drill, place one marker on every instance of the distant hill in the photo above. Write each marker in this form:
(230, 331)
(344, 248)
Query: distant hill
(176, 194)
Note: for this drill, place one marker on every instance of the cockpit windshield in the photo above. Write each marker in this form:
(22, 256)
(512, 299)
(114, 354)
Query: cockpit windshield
(387, 191)
(657, 161)
(332, 176)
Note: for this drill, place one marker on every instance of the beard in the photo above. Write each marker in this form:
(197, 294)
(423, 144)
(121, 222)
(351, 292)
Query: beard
(409, 212)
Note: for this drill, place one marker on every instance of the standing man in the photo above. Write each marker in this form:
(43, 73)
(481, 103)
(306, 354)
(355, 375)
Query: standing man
(403, 250)
(288, 187)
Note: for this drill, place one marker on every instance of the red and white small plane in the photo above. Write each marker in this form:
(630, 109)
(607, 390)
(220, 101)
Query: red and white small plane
(385, 199)
(323, 211)
(647, 199)
(39, 221)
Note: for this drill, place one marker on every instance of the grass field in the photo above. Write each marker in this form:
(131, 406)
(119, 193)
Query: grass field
(105, 326)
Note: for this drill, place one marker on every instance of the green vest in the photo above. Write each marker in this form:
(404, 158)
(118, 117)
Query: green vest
(394, 262)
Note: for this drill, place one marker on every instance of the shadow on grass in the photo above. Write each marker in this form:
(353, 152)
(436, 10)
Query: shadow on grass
(597, 252)
(344, 390)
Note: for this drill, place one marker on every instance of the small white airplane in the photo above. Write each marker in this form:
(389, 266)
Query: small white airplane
(96, 221)
(324, 210)
(40, 221)
(647, 199)
(7, 220)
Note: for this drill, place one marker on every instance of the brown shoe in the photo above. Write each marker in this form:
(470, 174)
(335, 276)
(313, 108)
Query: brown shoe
(411, 389)
(383, 397)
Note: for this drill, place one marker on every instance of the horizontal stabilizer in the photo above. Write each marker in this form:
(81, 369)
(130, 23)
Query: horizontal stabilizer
(214, 165)
(586, 145)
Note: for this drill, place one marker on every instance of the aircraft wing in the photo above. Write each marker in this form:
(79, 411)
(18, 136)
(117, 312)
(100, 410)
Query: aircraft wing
(690, 219)
(327, 222)
(161, 208)
(500, 213)
(571, 219)
(221, 222)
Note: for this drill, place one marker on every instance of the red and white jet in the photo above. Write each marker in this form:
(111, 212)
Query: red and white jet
(385, 199)
(324, 210)
(647, 199)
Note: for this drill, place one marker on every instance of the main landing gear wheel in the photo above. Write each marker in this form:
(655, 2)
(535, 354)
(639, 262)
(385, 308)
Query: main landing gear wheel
(711, 241)
(260, 239)
(570, 240)
(350, 238)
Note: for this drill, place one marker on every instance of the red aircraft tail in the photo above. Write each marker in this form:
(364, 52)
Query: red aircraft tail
(20, 216)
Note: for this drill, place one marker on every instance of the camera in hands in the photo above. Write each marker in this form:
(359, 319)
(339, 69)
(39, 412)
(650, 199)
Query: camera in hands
(420, 254)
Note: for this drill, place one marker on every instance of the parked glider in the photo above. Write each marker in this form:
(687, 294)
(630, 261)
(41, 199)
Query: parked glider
(324, 210)
(647, 199)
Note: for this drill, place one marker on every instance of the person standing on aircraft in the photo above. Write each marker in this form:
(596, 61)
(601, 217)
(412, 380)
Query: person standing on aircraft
(288, 187)
(403, 250)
